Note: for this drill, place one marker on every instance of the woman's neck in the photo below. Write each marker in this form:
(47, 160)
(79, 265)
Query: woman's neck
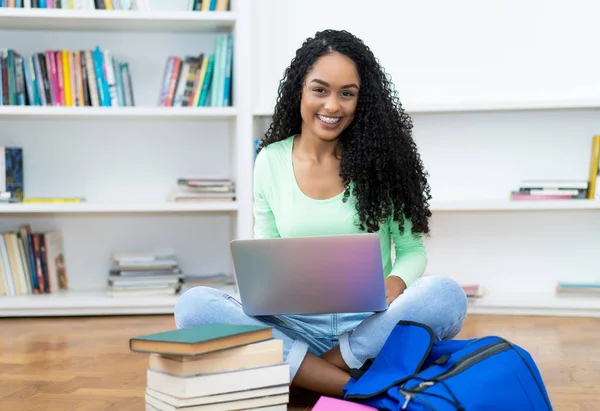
(315, 149)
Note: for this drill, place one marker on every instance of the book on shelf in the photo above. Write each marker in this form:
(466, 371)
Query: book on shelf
(144, 273)
(125, 5)
(564, 189)
(594, 170)
(53, 200)
(227, 366)
(550, 189)
(78, 4)
(472, 291)
(217, 280)
(581, 288)
(210, 5)
(202, 190)
(69, 78)
(199, 81)
(11, 174)
(32, 262)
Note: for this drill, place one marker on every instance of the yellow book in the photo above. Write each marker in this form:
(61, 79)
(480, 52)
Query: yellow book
(198, 90)
(108, 4)
(53, 200)
(594, 166)
(66, 77)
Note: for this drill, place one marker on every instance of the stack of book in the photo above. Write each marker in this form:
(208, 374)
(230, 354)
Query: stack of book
(203, 189)
(550, 190)
(581, 288)
(215, 367)
(139, 273)
(217, 280)
(472, 291)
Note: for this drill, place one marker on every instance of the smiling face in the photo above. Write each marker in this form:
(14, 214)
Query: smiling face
(329, 96)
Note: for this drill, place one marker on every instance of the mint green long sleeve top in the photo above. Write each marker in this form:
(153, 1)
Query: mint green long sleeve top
(281, 209)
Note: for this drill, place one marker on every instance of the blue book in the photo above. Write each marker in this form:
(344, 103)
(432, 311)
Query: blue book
(11, 172)
(228, 68)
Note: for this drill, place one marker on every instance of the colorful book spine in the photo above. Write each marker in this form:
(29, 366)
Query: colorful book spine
(11, 172)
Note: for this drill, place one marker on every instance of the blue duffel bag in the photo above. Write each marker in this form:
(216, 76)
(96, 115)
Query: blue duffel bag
(415, 372)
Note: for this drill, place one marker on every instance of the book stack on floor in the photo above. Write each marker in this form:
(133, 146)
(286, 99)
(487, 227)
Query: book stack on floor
(215, 367)
(144, 273)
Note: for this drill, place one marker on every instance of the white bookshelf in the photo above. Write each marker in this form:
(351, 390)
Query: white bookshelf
(536, 303)
(514, 205)
(125, 160)
(142, 113)
(99, 208)
(479, 131)
(116, 20)
(83, 303)
(485, 106)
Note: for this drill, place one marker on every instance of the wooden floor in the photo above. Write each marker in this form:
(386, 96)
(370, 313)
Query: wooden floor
(84, 364)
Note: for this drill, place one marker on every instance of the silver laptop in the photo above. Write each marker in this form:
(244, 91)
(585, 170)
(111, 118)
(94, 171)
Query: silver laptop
(310, 275)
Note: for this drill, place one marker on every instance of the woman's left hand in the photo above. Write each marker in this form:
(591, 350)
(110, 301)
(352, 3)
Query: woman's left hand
(394, 286)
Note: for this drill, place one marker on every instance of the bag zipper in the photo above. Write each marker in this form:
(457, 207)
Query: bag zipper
(464, 363)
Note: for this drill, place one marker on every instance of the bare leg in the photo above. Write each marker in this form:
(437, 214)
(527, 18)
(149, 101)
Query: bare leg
(334, 357)
(316, 374)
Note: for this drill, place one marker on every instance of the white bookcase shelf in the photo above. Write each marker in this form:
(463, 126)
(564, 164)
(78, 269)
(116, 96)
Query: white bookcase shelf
(520, 205)
(97, 302)
(520, 303)
(473, 149)
(125, 160)
(75, 208)
(115, 20)
(162, 113)
(83, 303)
(482, 107)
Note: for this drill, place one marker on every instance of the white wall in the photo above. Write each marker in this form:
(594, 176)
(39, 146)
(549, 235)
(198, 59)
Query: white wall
(445, 51)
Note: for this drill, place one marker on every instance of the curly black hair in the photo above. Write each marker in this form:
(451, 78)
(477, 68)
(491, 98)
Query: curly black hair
(378, 153)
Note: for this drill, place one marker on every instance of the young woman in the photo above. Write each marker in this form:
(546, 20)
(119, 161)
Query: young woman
(339, 158)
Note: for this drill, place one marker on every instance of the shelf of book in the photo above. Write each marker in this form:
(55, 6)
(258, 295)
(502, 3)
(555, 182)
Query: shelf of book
(89, 302)
(116, 20)
(86, 112)
(169, 207)
(98, 302)
(483, 106)
(164, 207)
(515, 205)
(526, 303)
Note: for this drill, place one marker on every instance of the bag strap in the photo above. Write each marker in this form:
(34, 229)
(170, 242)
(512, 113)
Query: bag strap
(404, 353)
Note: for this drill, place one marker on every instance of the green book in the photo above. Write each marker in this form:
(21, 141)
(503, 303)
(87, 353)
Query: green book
(201, 339)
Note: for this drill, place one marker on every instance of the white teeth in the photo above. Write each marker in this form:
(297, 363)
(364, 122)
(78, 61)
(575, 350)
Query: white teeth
(330, 120)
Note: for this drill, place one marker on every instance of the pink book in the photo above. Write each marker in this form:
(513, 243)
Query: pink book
(55, 84)
(328, 404)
